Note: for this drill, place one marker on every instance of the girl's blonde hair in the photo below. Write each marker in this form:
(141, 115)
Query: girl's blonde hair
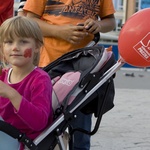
(22, 27)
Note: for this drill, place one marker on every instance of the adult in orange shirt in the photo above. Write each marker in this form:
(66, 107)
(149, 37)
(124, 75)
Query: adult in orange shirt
(6, 10)
(59, 22)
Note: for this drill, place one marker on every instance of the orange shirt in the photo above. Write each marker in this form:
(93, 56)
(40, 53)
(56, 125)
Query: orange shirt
(66, 12)
(6, 10)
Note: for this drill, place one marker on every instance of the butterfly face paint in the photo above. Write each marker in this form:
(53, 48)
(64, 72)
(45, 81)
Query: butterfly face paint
(28, 53)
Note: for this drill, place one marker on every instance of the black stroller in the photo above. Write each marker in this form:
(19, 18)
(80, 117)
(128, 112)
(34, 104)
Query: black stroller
(87, 78)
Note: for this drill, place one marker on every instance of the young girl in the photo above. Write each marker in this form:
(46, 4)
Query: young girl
(25, 89)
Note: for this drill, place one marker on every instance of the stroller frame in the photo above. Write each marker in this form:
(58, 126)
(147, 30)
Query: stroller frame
(60, 124)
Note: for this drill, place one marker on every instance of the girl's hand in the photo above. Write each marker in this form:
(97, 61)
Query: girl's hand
(5, 90)
(8, 92)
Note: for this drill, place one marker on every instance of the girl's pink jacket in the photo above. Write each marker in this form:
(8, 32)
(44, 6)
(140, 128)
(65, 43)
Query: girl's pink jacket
(35, 112)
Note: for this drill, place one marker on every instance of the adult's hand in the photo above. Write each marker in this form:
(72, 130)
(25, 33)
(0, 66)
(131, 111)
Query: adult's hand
(103, 25)
(71, 33)
(92, 26)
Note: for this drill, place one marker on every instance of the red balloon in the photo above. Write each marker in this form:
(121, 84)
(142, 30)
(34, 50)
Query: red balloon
(134, 39)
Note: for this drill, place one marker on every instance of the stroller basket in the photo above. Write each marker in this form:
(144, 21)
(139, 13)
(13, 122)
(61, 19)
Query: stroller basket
(75, 77)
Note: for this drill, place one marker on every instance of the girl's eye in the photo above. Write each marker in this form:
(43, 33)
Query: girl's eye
(24, 41)
(8, 41)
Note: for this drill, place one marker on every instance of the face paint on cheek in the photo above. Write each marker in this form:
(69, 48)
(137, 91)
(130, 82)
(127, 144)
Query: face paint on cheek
(28, 53)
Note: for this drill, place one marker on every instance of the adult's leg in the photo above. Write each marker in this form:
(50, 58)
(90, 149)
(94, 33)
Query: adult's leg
(81, 140)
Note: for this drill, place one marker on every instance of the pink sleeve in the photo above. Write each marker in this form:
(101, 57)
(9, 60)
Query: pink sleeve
(40, 107)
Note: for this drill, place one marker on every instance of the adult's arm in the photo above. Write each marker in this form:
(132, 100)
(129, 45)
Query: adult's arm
(103, 25)
(68, 32)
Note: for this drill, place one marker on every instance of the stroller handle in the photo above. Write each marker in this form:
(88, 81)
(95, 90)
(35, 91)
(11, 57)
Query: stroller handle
(96, 37)
(95, 40)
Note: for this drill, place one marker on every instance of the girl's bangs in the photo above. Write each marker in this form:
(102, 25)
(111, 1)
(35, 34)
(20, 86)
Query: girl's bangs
(16, 29)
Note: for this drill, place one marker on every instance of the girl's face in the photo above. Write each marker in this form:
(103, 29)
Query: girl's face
(19, 51)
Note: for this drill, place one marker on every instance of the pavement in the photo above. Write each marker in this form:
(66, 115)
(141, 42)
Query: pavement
(127, 125)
